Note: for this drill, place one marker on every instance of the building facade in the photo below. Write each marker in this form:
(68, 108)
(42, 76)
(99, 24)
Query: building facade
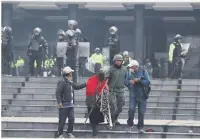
(144, 29)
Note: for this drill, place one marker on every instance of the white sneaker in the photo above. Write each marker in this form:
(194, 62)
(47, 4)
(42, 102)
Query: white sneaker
(70, 135)
(61, 136)
(141, 131)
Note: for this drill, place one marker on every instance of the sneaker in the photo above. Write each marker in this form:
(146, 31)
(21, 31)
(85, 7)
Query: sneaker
(141, 131)
(129, 128)
(117, 122)
(61, 136)
(70, 135)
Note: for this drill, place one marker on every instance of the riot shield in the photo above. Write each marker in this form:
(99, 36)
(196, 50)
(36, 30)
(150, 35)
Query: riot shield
(107, 55)
(61, 49)
(84, 49)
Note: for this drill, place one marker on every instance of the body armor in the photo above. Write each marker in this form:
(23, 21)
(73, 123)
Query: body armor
(35, 45)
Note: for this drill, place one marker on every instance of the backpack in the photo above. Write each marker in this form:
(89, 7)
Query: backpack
(147, 88)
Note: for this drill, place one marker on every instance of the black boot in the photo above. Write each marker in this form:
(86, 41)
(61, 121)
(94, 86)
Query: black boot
(116, 120)
(94, 130)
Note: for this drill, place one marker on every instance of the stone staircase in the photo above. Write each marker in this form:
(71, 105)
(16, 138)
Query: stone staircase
(29, 109)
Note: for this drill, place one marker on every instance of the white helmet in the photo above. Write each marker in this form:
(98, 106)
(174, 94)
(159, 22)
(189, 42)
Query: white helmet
(125, 53)
(113, 30)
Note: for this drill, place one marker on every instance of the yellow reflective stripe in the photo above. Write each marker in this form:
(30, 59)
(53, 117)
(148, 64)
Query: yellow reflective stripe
(171, 51)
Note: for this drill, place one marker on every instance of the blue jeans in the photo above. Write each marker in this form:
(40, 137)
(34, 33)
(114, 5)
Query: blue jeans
(133, 102)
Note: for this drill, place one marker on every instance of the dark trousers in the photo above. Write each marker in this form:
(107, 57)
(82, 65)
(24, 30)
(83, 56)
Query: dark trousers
(36, 56)
(6, 63)
(133, 102)
(65, 113)
(97, 67)
(60, 64)
(178, 64)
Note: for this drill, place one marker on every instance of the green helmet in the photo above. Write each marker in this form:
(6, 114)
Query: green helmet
(118, 57)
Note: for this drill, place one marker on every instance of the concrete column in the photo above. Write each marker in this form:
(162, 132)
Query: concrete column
(73, 8)
(72, 15)
(6, 14)
(139, 33)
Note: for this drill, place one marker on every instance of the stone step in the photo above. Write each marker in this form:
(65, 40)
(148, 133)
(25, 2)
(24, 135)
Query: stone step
(160, 103)
(83, 109)
(10, 90)
(11, 84)
(43, 133)
(123, 115)
(51, 90)
(191, 82)
(179, 126)
(82, 97)
(82, 103)
(54, 102)
(54, 79)
(34, 90)
(12, 79)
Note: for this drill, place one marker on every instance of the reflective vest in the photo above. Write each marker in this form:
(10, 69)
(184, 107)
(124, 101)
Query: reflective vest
(97, 58)
(19, 63)
(175, 50)
(49, 63)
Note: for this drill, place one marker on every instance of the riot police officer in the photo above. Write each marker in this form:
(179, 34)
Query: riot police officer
(176, 57)
(72, 49)
(113, 42)
(6, 48)
(37, 49)
(60, 51)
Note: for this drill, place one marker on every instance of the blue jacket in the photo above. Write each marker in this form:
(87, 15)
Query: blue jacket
(137, 89)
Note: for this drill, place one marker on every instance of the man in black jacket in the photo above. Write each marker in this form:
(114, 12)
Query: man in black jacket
(65, 98)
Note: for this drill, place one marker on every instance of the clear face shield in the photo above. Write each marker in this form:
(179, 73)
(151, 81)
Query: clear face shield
(36, 33)
(60, 37)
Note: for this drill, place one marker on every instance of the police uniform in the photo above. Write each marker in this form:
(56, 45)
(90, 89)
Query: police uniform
(176, 58)
(6, 49)
(36, 47)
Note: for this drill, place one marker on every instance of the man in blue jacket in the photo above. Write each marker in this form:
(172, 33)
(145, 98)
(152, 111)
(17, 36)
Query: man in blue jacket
(135, 81)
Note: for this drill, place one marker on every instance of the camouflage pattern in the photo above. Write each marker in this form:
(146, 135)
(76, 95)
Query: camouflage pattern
(117, 101)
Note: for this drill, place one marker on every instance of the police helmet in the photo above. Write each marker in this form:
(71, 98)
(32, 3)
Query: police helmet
(72, 24)
(37, 30)
(118, 57)
(97, 49)
(61, 32)
(7, 29)
(178, 36)
(78, 31)
(113, 30)
(125, 53)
